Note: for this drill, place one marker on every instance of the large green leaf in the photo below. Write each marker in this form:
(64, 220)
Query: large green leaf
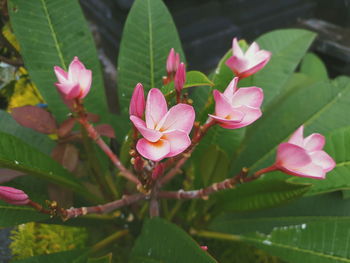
(17, 155)
(338, 146)
(259, 194)
(72, 256)
(313, 67)
(321, 107)
(51, 33)
(148, 35)
(161, 241)
(314, 228)
(40, 141)
(288, 46)
(11, 215)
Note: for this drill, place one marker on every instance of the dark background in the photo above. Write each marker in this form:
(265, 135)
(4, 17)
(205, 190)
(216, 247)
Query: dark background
(206, 27)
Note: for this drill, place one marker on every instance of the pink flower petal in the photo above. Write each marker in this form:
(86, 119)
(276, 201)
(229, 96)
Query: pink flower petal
(13, 196)
(68, 90)
(231, 89)
(314, 142)
(250, 115)
(74, 69)
(222, 105)
(154, 151)
(179, 117)
(252, 50)
(236, 49)
(291, 156)
(85, 79)
(297, 137)
(179, 141)
(322, 159)
(60, 74)
(251, 97)
(309, 171)
(251, 69)
(230, 122)
(156, 108)
(150, 134)
(237, 65)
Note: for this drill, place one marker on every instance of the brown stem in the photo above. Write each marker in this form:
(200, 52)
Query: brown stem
(39, 207)
(115, 160)
(102, 209)
(181, 160)
(205, 192)
(154, 203)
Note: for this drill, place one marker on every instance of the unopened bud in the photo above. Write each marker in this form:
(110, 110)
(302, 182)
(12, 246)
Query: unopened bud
(180, 77)
(205, 248)
(13, 196)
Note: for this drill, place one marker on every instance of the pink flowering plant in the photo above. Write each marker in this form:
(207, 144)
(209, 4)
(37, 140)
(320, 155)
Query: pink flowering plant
(193, 168)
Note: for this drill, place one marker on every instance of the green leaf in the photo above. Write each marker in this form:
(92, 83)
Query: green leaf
(37, 140)
(17, 155)
(288, 46)
(313, 67)
(312, 227)
(11, 215)
(161, 241)
(149, 34)
(51, 33)
(104, 259)
(321, 107)
(72, 256)
(193, 79)
(337, 146)
(259, 194)
(213, 166)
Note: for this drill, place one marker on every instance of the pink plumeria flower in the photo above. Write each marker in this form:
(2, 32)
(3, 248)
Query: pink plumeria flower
(137, 103)
(236, 108)
(13, 196)
(304, 157)
(248, 63)
(74, 84)
(165, 131)
(172, 62)
(180, 77)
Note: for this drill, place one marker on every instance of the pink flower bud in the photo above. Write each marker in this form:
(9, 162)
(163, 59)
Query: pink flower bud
(304, 156)
(236, 108)
(137, 103)
(13, 196)
(74, 84)
(180, 77)
(172, 62)
(248, 63)
(158, 171)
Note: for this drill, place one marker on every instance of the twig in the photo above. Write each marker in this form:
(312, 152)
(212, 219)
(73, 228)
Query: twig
(102, 209)
(198, 135)
(154, 203)
(115, 160)
(13, 62)
(205, 192)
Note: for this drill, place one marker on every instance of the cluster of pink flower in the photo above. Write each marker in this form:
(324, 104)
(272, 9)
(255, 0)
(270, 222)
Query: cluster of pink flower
(166, 131)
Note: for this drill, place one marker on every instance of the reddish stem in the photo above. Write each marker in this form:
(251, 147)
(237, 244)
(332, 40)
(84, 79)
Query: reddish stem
(102, 209)
(205, 192)
(266, 170)
(115, 160)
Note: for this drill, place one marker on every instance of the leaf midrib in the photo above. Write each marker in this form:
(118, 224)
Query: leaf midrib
(53, 34)
(150, 31)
